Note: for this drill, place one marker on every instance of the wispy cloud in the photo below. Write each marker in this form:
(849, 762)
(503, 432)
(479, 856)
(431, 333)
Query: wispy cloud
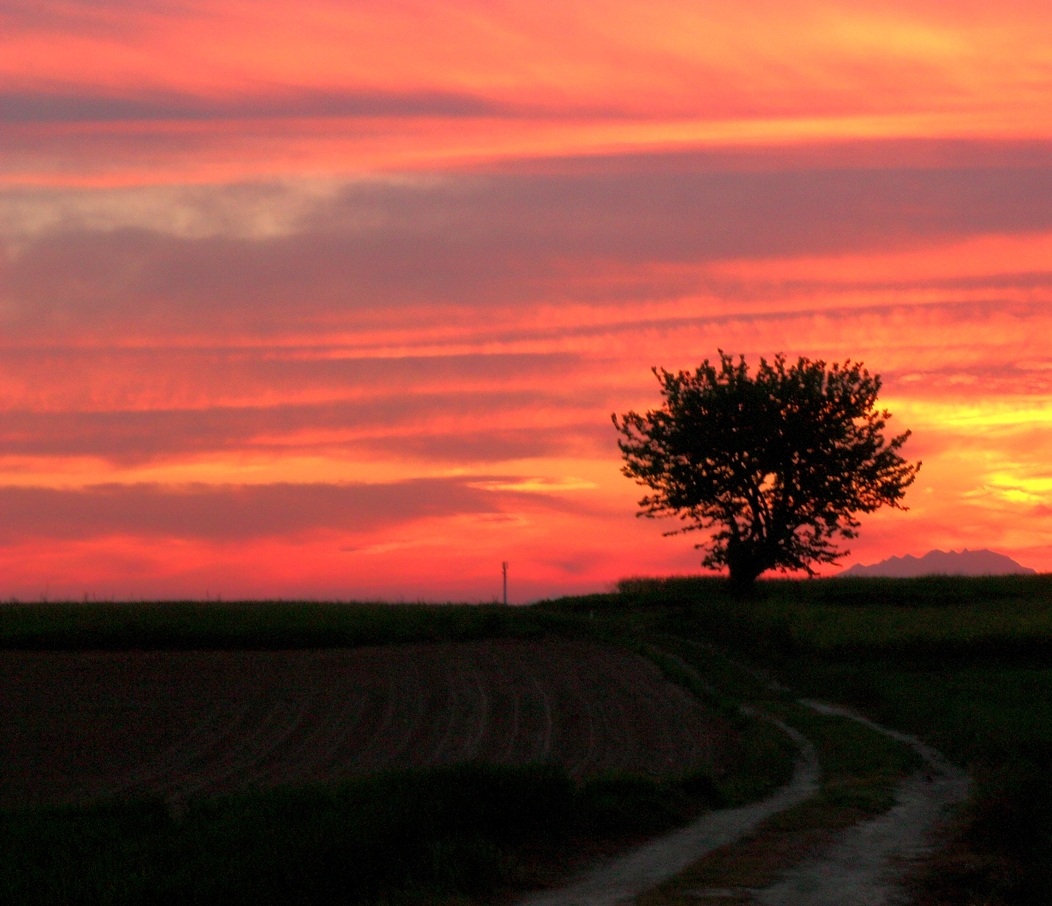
(228, 514)
(499, 241)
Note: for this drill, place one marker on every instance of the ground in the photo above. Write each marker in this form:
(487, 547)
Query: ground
(85, 724)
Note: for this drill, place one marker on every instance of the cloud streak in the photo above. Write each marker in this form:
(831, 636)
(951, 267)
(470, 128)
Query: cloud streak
(230, 514)
(167, 106)
(498, 241)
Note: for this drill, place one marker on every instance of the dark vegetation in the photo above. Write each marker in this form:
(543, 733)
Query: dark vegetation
(185, 625)
(963, 663)
(966, 664)
(771, 466)
(410, 836)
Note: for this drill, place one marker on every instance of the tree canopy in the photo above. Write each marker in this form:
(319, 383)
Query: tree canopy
(775, 465)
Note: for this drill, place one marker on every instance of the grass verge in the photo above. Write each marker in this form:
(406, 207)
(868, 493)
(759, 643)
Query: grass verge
(213, 625)
(429, 836)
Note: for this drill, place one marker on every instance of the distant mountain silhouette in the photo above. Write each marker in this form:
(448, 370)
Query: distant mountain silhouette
(954, 563)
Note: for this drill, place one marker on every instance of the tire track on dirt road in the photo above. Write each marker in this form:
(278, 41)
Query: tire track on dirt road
(862, 867)
(619, 880)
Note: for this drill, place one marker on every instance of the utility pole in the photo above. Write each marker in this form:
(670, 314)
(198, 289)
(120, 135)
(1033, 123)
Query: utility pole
(504, 571)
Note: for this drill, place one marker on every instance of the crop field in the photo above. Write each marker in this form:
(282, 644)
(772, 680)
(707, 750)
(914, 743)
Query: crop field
(99, 724)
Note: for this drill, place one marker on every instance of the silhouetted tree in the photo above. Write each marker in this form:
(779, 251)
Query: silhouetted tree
(776, 465)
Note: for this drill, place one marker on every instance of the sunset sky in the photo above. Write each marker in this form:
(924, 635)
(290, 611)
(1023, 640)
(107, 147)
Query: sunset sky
(335, 299)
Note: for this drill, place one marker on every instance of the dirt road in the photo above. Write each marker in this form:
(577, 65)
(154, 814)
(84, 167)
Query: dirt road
(861, 868)
(621, 879)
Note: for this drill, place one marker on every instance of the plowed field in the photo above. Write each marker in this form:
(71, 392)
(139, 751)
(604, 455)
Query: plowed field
(79, 725)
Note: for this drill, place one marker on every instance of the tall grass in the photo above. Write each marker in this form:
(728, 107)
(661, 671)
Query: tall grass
(412, 836)
(940, 617)
(255, 624)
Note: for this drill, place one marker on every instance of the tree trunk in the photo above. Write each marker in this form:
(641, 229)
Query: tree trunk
(745, 566)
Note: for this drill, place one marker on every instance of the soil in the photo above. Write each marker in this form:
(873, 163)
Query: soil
(78, 726)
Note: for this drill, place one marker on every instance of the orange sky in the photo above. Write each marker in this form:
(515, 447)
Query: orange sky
(335, 300)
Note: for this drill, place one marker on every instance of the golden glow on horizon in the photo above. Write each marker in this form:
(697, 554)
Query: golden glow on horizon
(1028, 490)
(970, 417)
